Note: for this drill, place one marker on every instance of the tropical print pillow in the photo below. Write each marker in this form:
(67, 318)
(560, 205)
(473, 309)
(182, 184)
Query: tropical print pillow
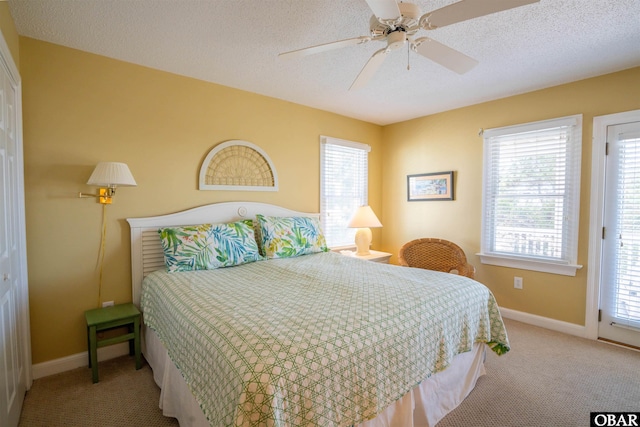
(208, 246)
(286, 237)
(187, 248)
(235, 243)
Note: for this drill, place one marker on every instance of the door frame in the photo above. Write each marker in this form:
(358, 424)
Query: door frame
(23, 318)
(596, 213)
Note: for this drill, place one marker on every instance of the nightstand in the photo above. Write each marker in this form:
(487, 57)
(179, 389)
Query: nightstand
(374, 256)
(102, 319)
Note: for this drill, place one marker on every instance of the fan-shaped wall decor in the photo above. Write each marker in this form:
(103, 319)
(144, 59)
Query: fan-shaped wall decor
(238, 165)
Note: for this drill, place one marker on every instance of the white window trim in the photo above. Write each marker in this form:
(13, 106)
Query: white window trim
(352, 144)
(530, 262)
(345, 143)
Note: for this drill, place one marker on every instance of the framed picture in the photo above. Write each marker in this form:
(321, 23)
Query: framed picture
(430, 186)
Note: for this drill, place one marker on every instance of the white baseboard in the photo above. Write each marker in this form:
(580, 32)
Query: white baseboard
(545, 322)
(78, 360)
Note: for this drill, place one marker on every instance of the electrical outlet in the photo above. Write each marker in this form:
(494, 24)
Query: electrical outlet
(517, 282)
(107, 304)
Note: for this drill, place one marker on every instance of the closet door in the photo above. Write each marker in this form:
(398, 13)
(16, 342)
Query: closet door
(14, 331)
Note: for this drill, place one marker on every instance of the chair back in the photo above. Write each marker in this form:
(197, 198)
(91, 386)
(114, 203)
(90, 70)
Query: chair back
(435, 254)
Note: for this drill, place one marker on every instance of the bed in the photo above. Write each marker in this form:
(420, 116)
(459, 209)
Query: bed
(318, 339)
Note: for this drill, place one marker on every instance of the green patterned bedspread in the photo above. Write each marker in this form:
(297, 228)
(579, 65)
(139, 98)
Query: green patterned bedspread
(318, 340)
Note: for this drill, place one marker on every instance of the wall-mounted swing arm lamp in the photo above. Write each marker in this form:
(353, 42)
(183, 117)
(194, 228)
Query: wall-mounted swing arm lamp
(108, 176)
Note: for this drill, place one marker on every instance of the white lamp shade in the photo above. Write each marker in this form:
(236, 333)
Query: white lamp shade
(111, 174)
(364, 217)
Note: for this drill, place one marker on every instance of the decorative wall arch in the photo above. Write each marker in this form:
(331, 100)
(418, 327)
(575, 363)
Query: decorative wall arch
(238, 165)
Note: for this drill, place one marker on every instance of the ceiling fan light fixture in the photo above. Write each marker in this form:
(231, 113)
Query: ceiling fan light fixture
(396, 40)
(407, 21)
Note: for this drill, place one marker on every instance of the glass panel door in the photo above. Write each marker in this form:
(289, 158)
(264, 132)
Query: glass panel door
(620, 285)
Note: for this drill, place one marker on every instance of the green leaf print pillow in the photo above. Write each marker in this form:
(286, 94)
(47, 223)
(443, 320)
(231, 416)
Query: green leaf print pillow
(234, 243)
(209, 246)
(187, 248)
(286, 237)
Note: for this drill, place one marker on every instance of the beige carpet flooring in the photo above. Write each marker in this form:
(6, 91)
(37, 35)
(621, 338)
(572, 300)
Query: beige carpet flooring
(123, 397)
(548, 379)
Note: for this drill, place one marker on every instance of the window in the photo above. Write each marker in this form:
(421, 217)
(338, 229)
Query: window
(531, 195)
(343, 187)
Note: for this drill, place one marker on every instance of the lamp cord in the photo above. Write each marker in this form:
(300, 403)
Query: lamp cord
(103, 239)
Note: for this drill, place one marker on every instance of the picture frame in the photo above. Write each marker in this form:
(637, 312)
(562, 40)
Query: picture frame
(430, 186)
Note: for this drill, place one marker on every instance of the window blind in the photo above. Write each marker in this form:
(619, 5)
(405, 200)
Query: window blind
(627, 270)
(531, 190)
(343, 187)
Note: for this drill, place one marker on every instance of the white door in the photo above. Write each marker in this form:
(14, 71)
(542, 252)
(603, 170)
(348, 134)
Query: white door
(620, 282)
(15, 376)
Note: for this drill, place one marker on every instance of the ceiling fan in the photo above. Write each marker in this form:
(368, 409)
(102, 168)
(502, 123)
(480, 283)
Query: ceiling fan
(398, 24)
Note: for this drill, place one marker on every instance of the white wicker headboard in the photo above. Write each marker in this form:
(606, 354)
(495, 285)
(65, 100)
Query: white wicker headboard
(146, 250)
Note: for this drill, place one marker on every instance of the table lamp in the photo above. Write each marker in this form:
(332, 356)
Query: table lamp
(363, 219)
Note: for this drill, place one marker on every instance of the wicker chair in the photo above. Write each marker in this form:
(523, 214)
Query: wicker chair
(435, 254)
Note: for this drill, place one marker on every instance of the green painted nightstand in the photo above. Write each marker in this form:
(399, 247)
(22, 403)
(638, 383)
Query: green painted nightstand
(102, 319)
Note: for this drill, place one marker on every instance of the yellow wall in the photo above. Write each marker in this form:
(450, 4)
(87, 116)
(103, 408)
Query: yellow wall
(450, 141)
(80, 109)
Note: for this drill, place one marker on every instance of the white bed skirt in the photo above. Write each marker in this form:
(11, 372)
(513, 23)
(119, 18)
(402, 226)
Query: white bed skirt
(423, 406)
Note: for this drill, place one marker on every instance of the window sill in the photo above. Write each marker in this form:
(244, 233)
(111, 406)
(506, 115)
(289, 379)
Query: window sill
(530, 264)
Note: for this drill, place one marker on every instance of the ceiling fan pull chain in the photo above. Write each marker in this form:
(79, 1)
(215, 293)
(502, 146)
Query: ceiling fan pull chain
(408, 56)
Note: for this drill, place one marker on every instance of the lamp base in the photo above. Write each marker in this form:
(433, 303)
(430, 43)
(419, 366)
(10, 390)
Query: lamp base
(363, 241)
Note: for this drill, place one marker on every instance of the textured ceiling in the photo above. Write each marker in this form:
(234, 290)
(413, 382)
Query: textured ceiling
(236, 43)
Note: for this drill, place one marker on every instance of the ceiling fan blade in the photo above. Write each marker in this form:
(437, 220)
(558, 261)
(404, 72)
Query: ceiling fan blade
(325, 47)
(444, 55)
(467, 9)
(369, 69)
(384, 9)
